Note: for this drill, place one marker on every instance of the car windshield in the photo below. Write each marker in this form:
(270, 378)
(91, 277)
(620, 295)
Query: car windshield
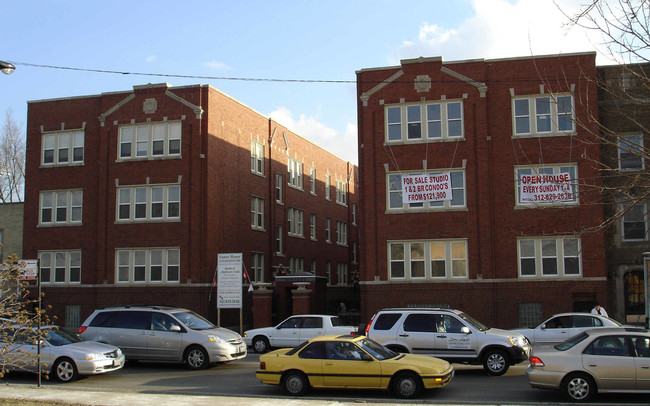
(193, 320)
(571, 342)
(375, 349)
(475, 323)
(58, 337)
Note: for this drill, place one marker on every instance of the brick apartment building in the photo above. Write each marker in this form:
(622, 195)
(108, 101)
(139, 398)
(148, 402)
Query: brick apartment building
(130, 196)
(623, 96)
(501, 201)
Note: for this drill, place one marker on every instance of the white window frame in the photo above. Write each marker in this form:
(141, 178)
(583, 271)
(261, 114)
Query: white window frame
(637, 214)
(327, 187)
(535, 114)
(328, 230)
(455, 258)
(279, 183)
(312, 181)
(68, 202)
(257, 213)
(630, 149)
(341, 233)
(553, 169)
(60, 267)
(63, 144)
(342, 274)
(294, 174)
(139, 141)
(296, 264)
(278, 240)
(136, 196)
(341, 193)
(548, 248)
(394, 192)
(257, 266)
(414, 122)
(128, 261)
(312, 227)
(257, 158)
(295, 220)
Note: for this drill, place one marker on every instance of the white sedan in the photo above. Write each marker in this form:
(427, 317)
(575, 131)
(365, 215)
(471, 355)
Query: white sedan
(63, 355)
(295, 330)
(564, 325)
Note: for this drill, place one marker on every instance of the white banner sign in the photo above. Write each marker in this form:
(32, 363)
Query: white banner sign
(426, 188)
(546, 188)
(229, 285)
(28, 269)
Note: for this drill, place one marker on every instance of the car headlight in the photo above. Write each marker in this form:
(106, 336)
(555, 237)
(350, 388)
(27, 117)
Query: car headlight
(216, 339)
(516, 341)
(91, 356)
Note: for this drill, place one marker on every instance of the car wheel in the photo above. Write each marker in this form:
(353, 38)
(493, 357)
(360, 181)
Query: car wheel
(295, 383)
(579, 387)
(407, 385)
(495, 362)
(65, 370)
(196, 357)
(261, 344)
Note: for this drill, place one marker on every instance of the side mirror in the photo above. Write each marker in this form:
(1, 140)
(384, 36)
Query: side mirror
(175, 329)
(542, 326)
(465, 330)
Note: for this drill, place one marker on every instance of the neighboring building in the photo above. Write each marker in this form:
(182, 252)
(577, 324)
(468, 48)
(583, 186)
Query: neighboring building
(11, 230)
(130, 197)
(500, 217)
(625, 118)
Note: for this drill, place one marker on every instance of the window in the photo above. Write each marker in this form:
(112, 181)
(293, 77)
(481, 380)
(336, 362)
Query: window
(61, 207)
(257, 158)
(73, 316)
(312, 181)
(327, 187)
(294, 173)
(354, 214)
(313, 266)
(152, 265)
(278, 187)
(342, 273)
(635, 221)
(295, 219)
(631, 152)
(60, 267)
(257, 213)
(341, 233)
(278, 240)
(428, 260)
(341, 190)
(422, 122)
(63, 148)
(547, 185)
(530, 314)
(153, 140)
(296, 264)
(328, 230)
(355, 251)
(149, 203)
(328, 272)
(397, 204)
(543, 115)
(257, 266)
(312, 227)
(549, 257)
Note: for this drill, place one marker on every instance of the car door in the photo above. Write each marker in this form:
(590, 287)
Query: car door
(451, 341)
(131, 333)
(163, 343)
(641, 346)
(554, 330)
(19, 350)
(311, 327)
(609, 359)
(418, 332)
(287, 333)
(344, 368)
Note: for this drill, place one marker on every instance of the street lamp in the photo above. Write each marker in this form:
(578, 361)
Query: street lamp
(7, 68)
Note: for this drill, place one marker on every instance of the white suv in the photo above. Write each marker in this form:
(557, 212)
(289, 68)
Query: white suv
(448, 334)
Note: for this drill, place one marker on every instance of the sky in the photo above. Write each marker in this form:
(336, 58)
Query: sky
(311, 48)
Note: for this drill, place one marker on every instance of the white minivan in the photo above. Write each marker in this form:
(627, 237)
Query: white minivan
(163, 333)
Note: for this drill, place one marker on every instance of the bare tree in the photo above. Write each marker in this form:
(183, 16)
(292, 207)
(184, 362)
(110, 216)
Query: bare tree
(12, 161)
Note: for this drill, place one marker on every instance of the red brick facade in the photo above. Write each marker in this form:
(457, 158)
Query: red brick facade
(212, 169)
(562, 265)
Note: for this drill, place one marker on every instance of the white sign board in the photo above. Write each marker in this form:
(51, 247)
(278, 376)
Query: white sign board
(426, 188)
(28, 269)
(546, 188)
(229, 284)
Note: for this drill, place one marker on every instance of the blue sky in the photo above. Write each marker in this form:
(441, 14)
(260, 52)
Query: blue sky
(280, 39)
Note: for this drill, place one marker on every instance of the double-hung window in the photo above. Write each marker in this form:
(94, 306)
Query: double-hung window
(555, 185)
(549, 257)
(257, 158)
(312, 227)
(312, 181)
(63, 148)
(395, 200)
(149, 203)
(294, 173)
(150, 265)
(341, 192)
(635, 222)
(631, 152)
(61, 207)
(421, 122)
(543, 115)
(341, 233)
(257, 266)
(60, 267)
(295, 222)
(257, 213)
(150, 140)
(427, 260)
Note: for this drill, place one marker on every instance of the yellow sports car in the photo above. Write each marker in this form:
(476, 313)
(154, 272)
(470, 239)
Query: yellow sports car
(354, 362)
